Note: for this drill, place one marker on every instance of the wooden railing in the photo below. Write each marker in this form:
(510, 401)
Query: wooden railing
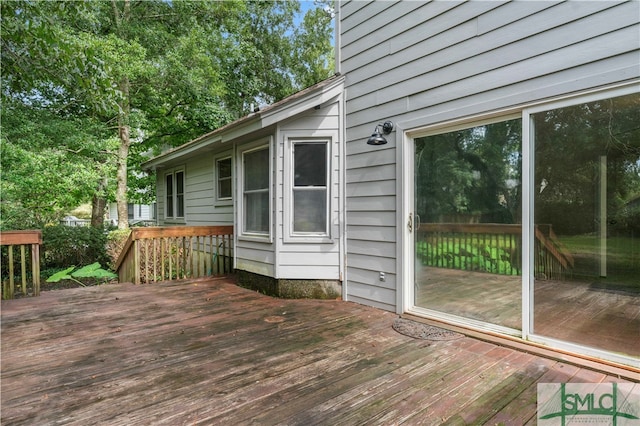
(490, 247)
(26, 241)
(168, 253)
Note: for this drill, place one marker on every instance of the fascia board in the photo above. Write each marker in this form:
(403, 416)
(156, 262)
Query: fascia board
(289, 107)
(304, 103)
(218, 136)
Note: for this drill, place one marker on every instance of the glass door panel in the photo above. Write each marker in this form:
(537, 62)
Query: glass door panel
(587, 224)
(467, 215)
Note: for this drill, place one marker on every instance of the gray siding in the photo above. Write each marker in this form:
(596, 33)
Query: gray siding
(311, 259)
(421, 63)
(282, 257)
(200, 205)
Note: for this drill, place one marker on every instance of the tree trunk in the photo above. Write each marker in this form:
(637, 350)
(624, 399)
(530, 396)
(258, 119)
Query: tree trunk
(98, 205)
(123, 154)
(121, 178)
(124, 106)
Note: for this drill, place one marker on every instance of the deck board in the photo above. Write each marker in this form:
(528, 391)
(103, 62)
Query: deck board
(210, 352)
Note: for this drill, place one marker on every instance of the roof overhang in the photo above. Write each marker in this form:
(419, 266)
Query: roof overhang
(254, 122)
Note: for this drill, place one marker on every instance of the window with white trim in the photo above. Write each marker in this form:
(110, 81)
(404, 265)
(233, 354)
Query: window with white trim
(309, 188)
(255, 192)
(224, 179)
(174, 194)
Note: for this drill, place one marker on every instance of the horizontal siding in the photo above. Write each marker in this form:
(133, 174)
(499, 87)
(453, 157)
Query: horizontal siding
(364, 217)
(373, 188)
(441, 88)
(200, 205)
(421, 63)
(380, 249)
(370, 295)
(310, 259)
(371, 203)
(306, 272)
(372, 233)
(372, 278)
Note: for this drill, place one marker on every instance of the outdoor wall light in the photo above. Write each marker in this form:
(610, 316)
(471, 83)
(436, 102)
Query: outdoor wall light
(377, 138)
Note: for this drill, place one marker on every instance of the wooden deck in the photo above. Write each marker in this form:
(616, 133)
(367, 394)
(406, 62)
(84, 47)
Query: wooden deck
(209, 352)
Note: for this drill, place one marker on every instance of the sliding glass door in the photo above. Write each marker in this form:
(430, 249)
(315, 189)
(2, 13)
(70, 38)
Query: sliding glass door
(587, 224)
(572, 276)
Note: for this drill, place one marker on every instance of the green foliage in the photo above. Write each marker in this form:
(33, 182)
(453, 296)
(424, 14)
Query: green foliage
(66, 245)
(89, 271)
(470, 175)
(147, 74)
(50, 164)
(457, 254)
(570, 144)
(314, 58)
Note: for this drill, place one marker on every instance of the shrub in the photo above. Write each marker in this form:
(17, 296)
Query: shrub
(115, 243)
(63, 246)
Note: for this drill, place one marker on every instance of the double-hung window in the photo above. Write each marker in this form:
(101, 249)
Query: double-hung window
(309, 183)
(255, 191)
(174, 199)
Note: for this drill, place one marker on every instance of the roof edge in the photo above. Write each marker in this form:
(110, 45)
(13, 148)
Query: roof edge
(217, 135)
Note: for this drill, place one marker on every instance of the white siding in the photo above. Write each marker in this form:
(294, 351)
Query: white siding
(140, 212)
(420, 63)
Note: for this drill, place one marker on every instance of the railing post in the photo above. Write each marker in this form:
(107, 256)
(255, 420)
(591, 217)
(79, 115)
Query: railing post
(24, 239)
(35, 268)
(136, 262)
(11, 272)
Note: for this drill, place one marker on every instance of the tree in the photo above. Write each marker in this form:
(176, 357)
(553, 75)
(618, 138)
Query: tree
(313, 54)
(155, 73)
(50, 164)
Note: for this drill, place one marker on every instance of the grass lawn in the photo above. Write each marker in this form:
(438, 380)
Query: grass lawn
(623, 260)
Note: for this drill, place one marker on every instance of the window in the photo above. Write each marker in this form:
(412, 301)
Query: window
(309, 188)
(169, 194)
(224, 179)
(179, 194)
(130, 215)
(174, 187)
(256, 206)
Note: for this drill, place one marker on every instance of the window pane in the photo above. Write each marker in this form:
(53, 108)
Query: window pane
(224, 189)
(256, 191)
(169, 198)
(130, 211)
(587, 216)
(256, 170)
(224, 168)
(468, 208)
(310, 211)
(257, 212)
(224, 178)
(180, 194)
(310, 164)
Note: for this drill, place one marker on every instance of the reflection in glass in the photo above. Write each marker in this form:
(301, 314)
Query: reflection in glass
(310, 187)
(587, 211)
(468, 207)
(256, 191)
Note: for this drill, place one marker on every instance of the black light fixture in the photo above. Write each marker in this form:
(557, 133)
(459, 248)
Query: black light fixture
(377, 138)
